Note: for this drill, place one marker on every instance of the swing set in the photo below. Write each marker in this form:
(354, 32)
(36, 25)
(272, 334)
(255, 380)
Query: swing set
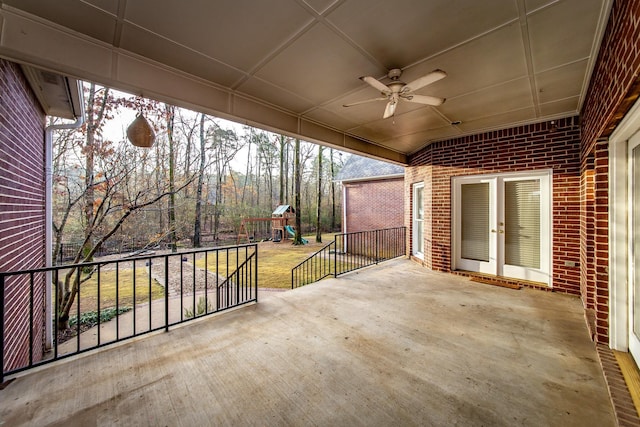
(252, 229)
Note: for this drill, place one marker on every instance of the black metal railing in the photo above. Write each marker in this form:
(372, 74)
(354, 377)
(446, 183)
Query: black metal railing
(349, 252)
(117, 300)
(318, 266)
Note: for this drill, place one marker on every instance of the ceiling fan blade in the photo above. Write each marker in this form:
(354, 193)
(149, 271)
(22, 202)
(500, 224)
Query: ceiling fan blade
(366, 101)
(424, 99)
(423, 81)
(376, 84)
(390, 109)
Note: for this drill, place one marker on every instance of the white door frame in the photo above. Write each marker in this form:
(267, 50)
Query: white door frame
(618, 230)
(416, 186)
(634, 340)
(496, 264)
(457, 261)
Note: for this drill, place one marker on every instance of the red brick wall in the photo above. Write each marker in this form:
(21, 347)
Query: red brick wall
(22, 225)
(614, 87)
(587, 193)
(523, 148)
(615, 79)
(372, 205)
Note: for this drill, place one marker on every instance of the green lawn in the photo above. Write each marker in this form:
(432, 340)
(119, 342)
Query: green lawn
(89, 289)
(275, 260)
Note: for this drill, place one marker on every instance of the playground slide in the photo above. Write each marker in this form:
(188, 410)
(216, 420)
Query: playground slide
(292, 233)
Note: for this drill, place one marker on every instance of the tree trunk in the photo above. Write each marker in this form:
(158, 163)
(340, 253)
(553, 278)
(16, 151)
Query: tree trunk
(282, 188)
(286, 175)
(198, 214)
(218, 205)
(93, 122)
(172, 196)
(159, 174)
(297, 240)
(333, 192)
(319, 210)
(247, 173)
(258, 176)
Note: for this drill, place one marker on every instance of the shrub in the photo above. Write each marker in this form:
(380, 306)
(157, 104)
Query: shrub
(89, 319)
(203, 307)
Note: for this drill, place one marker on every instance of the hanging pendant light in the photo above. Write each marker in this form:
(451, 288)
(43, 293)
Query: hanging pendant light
(140, 132)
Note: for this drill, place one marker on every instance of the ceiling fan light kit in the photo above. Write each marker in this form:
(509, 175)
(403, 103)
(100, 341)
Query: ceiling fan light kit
(398, 90)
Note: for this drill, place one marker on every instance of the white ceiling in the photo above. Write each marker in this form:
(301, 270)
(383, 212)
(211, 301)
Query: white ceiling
(290, 65)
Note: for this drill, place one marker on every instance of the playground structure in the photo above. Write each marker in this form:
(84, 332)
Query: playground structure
(252, 228)
(280, 229)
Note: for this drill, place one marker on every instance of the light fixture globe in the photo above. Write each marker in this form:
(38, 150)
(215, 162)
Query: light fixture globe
(140, 132)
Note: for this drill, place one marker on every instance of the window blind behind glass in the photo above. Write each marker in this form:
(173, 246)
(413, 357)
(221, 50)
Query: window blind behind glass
(522, 223)
(475, 221)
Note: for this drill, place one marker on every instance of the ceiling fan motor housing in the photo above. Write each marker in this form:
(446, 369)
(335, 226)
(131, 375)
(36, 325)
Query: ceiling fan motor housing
(394, 73)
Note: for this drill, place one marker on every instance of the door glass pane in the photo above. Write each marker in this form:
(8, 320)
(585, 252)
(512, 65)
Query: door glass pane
(522, 223)
(635, 230)
(418, 209)
(419, 204)
(474, 231)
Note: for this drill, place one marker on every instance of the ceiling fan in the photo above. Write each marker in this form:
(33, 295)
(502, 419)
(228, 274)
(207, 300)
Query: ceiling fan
(397, 90)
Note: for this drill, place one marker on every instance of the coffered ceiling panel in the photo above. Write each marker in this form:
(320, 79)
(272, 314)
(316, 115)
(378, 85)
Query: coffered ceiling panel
(260, 89)
(560, 33)
(401, 32)
(492, 121)
(320, 65)
(407, 142)
(240, 33)
(556, 108)
(165, 51)
(562, 82)
(494, 58)
(78, 16)
(341, 122)
(499, 99)
(403, 124)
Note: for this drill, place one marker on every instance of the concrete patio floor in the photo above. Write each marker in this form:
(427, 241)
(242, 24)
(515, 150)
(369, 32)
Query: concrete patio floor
(394, 344)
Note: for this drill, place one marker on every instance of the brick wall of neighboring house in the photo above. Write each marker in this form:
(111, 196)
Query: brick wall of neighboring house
(523, 148)
(614, 87)
(22, 216)
(372, 205)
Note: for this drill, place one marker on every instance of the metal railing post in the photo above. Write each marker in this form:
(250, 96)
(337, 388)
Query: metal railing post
(404, 240)
(335, 255)
(2, 328)
(31, 284)
(256, 271)
(166, 292)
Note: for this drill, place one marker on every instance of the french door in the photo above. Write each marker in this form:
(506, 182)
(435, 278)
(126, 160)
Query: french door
(634, 245)
(502, 225)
